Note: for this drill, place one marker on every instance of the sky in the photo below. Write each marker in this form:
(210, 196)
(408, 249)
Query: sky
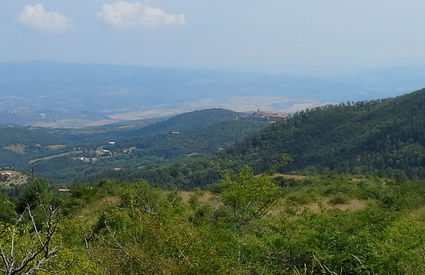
(275, 36)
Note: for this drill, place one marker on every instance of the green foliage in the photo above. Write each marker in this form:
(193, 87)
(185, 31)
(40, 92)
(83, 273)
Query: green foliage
(7, 210)
(384, 137)
(35, 193)
(248, 197)
(403, 243)
(204, 139)
(189, 121)
(249, 226)
(26, 135)
(338, 199)
(281, 162)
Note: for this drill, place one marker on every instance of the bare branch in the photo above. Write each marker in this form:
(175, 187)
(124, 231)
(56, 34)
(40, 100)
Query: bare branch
(12, 248)
(37, 233)
(3, 256)
(37, 254)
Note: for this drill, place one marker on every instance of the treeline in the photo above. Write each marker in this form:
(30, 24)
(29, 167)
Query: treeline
(183, 174)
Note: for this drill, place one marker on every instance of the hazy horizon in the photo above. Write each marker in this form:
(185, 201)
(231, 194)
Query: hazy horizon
(277, 55)
(271, 36)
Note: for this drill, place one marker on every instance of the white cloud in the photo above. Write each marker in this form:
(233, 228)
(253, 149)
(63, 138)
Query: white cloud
(37, 17)
(132, 15)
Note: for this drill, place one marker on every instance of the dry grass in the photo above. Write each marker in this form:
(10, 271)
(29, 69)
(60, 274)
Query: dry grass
(288, 176)
(17, 148)
(319, 206)
(90, 214)
(144, 114)
(205, 197)
(55, 147)
(73, 123)
(351, 205)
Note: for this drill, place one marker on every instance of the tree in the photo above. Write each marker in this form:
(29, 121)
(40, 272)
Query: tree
(281, 162)
(249, 197)
(27, 249)
(35, 193)
(7, 211)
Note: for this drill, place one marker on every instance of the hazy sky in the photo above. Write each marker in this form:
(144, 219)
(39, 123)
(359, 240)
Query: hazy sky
(246, 35)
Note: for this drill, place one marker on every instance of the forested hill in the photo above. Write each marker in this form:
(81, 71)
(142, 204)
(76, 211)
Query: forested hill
(383, 136)
(134, 129)
(187, 121)
(64, 155)
(25, 135)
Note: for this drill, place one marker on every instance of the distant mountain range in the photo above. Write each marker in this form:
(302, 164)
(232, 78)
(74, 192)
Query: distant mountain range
(67, 95)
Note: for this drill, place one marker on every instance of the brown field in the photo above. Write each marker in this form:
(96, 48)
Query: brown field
(55, 147)
(73, 123)
(17, 148)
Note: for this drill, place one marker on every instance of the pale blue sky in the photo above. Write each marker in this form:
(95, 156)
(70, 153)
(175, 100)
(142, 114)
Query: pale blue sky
(245, 35)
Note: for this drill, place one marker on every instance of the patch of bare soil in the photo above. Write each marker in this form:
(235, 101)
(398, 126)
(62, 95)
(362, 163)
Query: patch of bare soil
(17, 148)
(55, 147)
(350, 205)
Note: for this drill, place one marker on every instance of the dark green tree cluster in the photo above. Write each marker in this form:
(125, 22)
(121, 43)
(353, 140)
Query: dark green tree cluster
(384, 137)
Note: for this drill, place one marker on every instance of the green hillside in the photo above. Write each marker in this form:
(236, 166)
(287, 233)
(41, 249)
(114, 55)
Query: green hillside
(187, 121)
(199, 133)
(382, 136)
(200, 140)
(150, 151)
(26, 135)
(18, 145)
